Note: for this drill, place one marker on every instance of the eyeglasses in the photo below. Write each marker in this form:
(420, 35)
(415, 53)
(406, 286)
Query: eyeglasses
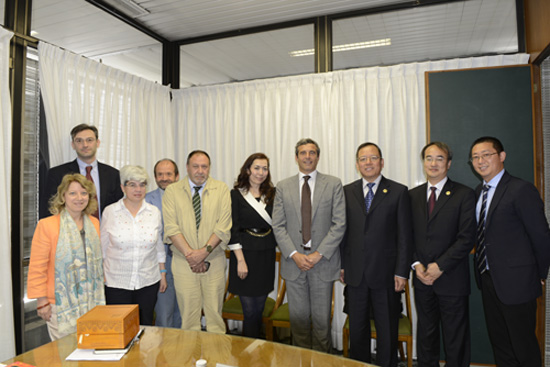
(372, 158)
(483, 157)
(134, 185)
(87, 140)
(436, 159)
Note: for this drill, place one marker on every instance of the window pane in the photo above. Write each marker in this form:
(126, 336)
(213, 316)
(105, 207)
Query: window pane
(259, 55)
(36, 332)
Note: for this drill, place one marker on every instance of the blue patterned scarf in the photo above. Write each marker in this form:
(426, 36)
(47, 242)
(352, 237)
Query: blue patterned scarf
(79, 281)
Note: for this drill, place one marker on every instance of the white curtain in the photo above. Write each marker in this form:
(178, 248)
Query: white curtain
(132, 114)
(7, 336)
(340, 110)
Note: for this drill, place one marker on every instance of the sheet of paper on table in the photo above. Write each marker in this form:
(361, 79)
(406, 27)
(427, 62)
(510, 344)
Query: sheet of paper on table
(89, 355)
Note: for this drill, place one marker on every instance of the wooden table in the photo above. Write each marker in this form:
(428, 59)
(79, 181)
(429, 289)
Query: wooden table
(180, 348)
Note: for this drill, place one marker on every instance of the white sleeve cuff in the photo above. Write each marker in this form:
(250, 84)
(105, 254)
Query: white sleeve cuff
(235, 246)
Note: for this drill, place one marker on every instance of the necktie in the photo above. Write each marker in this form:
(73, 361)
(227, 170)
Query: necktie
(306, 211)
(431, 201)
(480, 251)
(89, 178)
(369, 196)
(197, 205)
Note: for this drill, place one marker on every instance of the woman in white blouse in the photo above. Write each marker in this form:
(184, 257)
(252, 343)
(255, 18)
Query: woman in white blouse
(133, 251)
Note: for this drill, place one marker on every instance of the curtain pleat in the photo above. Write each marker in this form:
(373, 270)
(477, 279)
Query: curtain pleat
(132, 114)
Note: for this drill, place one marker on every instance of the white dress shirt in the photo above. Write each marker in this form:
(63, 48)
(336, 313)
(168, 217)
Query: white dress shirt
(132, 246)
(438, 188)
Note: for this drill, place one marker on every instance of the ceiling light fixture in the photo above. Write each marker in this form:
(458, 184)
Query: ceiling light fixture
(346, 47)
(128, 7)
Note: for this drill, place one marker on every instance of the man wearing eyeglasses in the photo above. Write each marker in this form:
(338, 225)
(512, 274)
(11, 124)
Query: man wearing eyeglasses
(376, 256)
(106, 179)
(512, 255)
(444, 227)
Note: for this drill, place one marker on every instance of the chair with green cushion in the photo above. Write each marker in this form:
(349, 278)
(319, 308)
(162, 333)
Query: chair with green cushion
(232, 308)
(404, 332)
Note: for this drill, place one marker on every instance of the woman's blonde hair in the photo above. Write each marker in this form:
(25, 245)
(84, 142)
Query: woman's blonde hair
(57, 202)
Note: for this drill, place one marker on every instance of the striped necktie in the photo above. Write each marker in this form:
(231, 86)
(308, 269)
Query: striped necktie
(480, 250)
(197, 205)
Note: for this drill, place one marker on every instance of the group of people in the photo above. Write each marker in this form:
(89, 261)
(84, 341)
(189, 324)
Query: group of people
(165, 250)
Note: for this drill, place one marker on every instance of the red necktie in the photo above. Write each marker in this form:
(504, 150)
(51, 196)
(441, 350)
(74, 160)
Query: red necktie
(89, 177)
(431, 201)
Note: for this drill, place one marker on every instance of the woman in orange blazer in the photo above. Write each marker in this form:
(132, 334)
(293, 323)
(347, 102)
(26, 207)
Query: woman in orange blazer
(66, 266)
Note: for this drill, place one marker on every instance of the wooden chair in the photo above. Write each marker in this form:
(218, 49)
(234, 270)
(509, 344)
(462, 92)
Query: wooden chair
(404, 331)
(232, 308)
(280, 317)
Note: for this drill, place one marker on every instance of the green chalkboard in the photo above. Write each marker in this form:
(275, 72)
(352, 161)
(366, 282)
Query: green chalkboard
(463, 105)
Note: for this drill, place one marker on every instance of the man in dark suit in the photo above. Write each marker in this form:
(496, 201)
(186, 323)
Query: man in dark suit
(85, 142)
(308, 223)
(376, 256)
(444, 229)
(512, 255)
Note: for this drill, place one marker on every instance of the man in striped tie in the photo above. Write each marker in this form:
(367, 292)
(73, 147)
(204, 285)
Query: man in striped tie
(512, 255)
(197, 220)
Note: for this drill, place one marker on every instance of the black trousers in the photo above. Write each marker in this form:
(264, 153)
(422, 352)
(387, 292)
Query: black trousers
(145, 298)
(386, 308)
(451, 312)
(511, 328)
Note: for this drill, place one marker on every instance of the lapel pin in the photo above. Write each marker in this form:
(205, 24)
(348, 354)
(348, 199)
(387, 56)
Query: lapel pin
(448, 193)
(385, 191)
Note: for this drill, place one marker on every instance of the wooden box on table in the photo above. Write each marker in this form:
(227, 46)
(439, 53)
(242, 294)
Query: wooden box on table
(108, 327)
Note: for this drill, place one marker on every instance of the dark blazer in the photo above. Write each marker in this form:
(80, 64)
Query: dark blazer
(517, 240)
(109, 183)
(379, 242)
(446, 237)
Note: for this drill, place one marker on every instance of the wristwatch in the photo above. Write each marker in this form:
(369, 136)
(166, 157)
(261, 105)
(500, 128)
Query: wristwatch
(209, 249)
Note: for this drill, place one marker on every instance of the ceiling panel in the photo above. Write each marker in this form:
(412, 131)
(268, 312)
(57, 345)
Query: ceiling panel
(177, 20)
(84, 29)
(476, 27)
(259, 55)
(433, 32)
(145, 62)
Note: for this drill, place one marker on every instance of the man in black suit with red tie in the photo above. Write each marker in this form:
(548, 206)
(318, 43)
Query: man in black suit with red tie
(512, 255)
(444, 229)
(85, 142)
(376, 256)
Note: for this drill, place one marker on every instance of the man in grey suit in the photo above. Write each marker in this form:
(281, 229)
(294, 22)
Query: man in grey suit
(309, 219)
(166, 309)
